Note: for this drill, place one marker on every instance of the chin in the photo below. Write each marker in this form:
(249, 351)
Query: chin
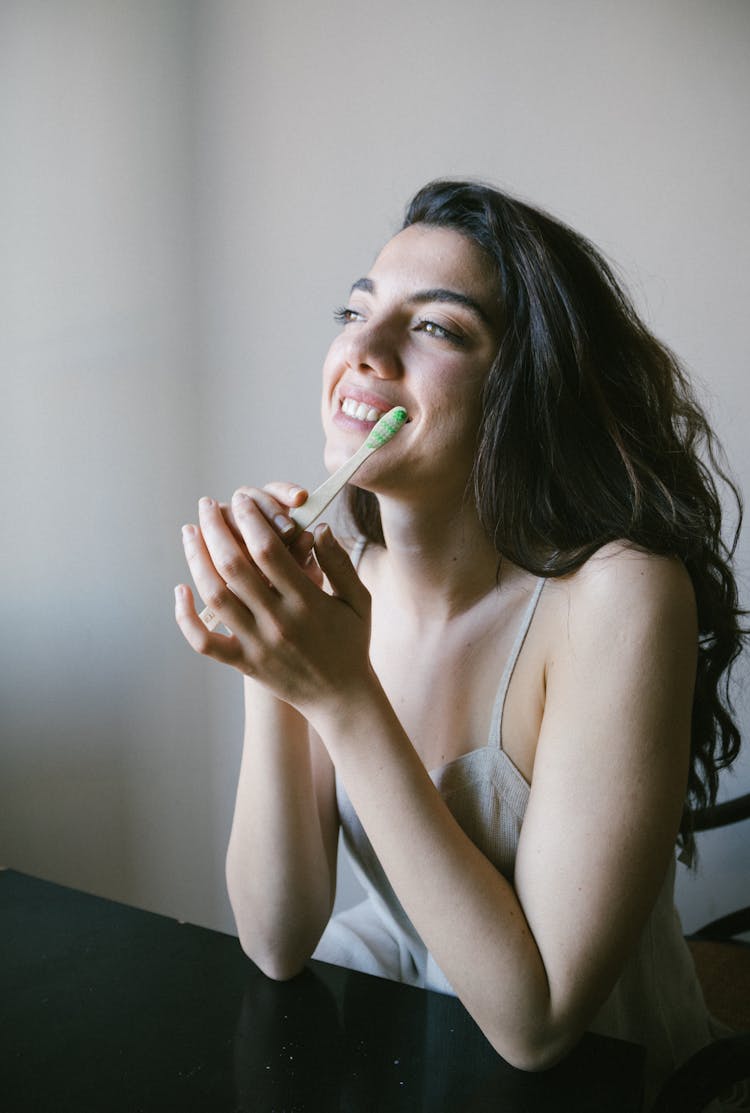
(333, 457)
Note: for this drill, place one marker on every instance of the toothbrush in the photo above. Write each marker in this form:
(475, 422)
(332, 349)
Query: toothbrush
(379, 435)
(311, 509)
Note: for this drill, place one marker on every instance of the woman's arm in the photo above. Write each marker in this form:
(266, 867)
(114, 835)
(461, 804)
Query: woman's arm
(533, 961)
(281, 859)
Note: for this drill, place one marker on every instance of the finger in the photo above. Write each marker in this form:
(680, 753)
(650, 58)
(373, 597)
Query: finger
(201, 640)
(229, 558)
(302, 549)
(302, 546)
(274, 512)
(274, 500)
(229, 568)
(299, 542)
(290, 494)
(341, 573)
(267, 550)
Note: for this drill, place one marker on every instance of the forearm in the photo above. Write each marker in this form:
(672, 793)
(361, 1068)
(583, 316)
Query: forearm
(280, 865)
(466, 912)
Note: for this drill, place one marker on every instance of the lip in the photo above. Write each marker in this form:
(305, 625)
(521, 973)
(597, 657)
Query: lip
(371, 400)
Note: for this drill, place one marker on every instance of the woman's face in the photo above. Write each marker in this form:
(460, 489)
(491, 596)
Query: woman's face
(420, 331)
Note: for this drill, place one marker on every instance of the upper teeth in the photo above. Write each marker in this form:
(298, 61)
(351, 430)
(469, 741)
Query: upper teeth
(360, 410)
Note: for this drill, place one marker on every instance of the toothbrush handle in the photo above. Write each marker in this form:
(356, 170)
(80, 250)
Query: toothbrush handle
(315, 504)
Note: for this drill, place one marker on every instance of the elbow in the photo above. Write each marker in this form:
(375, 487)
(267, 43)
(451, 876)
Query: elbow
(535, 1059)
(279, 952)
(535, 1030)
(273, 961)
(537, 1049)
(278, 936)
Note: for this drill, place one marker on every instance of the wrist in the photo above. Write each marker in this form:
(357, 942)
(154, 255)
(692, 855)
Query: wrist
(263, 707)
(340, 715)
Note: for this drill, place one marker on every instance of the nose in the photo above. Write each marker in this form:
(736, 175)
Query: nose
(372, 348)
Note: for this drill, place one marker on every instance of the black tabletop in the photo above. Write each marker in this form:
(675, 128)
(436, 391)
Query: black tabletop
(108, 1009)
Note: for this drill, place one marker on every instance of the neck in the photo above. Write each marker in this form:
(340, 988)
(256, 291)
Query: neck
(440, 562)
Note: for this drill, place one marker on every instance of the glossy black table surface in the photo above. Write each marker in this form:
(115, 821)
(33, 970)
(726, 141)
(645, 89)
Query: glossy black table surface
(108, 1009)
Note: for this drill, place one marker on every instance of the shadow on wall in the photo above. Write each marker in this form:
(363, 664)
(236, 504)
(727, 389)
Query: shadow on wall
(101, 790)
(70, 812)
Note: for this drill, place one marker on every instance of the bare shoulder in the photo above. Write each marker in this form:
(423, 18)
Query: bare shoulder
(622, 635)
(627, 587)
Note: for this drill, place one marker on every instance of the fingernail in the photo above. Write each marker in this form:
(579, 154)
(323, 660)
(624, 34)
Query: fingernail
(283, 525)
(325, 536)
(188, 532)
(206, 502)
(294, 491)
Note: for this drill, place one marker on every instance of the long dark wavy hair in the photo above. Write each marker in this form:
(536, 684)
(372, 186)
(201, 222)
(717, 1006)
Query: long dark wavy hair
(591, 433)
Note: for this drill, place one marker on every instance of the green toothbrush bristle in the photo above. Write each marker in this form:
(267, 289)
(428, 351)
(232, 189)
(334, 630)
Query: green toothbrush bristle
(387, 427)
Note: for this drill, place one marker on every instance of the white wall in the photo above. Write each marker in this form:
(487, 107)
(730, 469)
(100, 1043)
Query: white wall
(187, 191)
(107, 774)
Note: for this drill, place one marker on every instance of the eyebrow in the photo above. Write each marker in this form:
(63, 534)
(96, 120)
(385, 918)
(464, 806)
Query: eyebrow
(438, 293)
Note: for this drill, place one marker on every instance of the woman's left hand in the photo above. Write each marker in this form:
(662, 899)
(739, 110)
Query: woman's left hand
(305, 645)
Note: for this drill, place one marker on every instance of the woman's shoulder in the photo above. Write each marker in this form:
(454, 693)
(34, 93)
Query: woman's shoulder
(621, 642)
(624, 584)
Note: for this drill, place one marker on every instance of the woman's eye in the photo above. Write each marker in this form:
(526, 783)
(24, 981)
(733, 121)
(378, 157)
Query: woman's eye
(345, 316)
(432, 328)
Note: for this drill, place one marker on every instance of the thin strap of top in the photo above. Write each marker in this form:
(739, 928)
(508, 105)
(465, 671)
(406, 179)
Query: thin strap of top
(495, 738)
(357, 549)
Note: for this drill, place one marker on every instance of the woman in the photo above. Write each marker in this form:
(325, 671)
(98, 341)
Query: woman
(543, 521)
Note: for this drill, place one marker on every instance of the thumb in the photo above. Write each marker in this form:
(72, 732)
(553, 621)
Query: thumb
(336, 564)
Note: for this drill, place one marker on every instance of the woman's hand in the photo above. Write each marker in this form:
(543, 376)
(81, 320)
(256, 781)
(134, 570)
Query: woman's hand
(275, 500)
(305, 645)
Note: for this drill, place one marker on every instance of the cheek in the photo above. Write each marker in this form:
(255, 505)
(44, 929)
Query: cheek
(331, 368)
(327, 382)
(458, 393)
(456, 413)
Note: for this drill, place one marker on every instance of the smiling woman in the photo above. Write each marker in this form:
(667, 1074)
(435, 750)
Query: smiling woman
(505, 690)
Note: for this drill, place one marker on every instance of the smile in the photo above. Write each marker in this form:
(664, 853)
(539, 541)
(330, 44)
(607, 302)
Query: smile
(360, 410)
